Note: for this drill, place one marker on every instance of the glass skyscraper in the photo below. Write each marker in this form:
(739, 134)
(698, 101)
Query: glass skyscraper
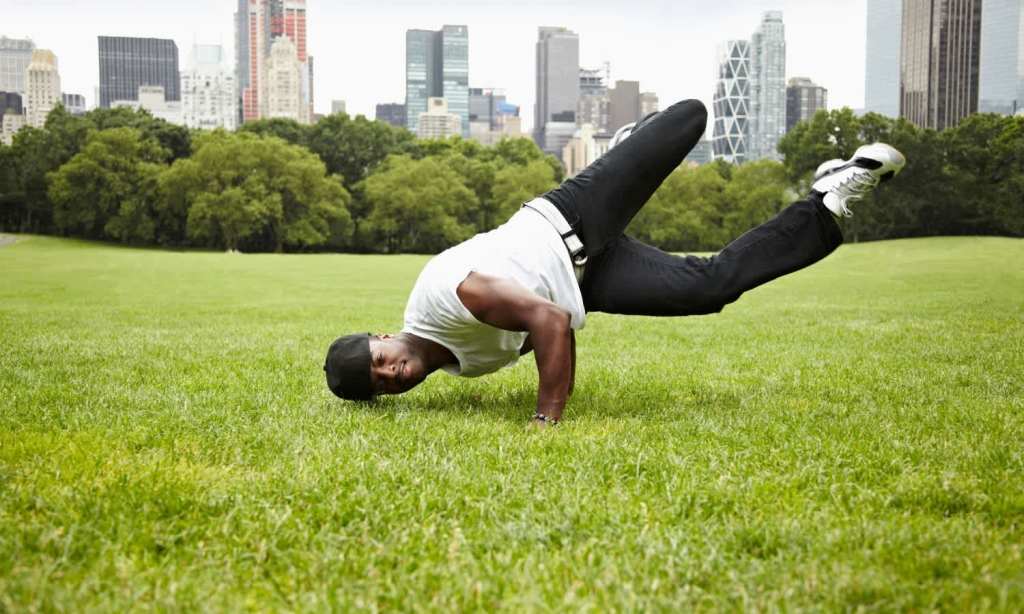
(767, 87)
(1001, 84)
(939, 61)
(882, 65)
(128, 63)
(15, 55)
(437, 66)
(731, 106)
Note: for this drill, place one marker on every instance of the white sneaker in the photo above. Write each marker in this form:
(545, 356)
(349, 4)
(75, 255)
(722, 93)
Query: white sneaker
(843, 181)
(622, 134)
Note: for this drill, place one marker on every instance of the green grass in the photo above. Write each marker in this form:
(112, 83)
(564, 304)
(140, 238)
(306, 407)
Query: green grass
(847, 438)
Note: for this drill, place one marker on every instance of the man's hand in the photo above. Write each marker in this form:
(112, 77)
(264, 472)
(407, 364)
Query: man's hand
(506, 304)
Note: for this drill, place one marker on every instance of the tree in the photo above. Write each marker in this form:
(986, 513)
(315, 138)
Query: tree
(352, 148)
(686, 212)
(283, 128)
(416, 205)
(516, 184)
(175, 140)
(108, 190)
(256, 193)
(756, 192)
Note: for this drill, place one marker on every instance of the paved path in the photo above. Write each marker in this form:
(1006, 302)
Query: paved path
(6, 240)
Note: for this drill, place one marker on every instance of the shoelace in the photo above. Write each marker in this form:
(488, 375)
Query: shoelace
(854, 187)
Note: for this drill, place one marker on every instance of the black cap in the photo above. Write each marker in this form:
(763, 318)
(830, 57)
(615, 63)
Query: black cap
(348, 367)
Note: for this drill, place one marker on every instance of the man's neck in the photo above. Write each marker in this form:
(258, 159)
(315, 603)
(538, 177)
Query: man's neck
(434, 354)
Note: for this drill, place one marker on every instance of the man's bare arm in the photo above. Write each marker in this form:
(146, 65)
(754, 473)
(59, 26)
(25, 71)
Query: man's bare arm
(507, 305)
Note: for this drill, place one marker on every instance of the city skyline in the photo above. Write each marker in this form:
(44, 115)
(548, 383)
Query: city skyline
(672, 53)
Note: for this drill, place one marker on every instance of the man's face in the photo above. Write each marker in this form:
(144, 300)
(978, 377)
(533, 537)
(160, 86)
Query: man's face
(393, 368)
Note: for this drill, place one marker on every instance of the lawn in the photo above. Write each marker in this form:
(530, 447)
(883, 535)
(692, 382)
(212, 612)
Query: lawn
(848, 438)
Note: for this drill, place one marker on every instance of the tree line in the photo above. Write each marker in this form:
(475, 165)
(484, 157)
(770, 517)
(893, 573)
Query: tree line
(352, 184)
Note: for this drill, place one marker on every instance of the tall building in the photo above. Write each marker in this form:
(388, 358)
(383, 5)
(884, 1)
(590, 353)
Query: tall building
(73, 103)
(767, 87)
(391, 113)
(1001, 77)
(625, 103)
(437, 66)
(15, 55)
(558, 87)
(283, 83)
(42, 87)
(127, 63)
(594, 106)
(731, 129)
(437, 122)
(939, 61)
(338, 106)
(258, 24)
(882, 57)
(648, 104)
(209, 94)
(803, 100)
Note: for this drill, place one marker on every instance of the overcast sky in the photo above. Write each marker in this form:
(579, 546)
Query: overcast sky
(359, 45)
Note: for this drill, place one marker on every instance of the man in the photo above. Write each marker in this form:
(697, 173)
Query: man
(528, 285)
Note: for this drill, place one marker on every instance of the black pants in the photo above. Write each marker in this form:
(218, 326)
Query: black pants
(626, 276)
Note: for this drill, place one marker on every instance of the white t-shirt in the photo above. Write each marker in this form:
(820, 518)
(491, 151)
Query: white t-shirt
(526, 249)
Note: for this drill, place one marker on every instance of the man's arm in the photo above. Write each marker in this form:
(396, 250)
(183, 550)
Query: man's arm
(528, 347)
(508, 305)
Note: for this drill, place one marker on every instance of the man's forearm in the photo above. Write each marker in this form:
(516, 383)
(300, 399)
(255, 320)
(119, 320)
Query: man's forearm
(553, 347)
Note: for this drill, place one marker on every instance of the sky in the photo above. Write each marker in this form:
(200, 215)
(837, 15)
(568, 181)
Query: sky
(358, 46)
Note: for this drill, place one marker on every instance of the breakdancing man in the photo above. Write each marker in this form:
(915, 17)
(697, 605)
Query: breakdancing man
(528, 284)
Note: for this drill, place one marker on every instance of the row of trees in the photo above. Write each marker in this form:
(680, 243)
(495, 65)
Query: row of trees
(341, 184)
(347, 184)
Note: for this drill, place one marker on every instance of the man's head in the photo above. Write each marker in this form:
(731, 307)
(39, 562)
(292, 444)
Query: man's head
(361, 366)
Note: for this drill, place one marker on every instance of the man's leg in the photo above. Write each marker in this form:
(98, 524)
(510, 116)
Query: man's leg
(602, 199)
(630, 277)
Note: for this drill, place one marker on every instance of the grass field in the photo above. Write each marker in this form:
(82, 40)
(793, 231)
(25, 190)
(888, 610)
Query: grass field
(848, 438)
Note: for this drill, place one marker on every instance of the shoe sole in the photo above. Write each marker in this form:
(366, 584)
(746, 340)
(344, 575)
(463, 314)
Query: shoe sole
(870, 163)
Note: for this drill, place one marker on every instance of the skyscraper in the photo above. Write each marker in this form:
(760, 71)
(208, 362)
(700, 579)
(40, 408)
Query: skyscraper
(437, 66)
(768, 87)
(625, 103)
(1001, 78)
(127, 63)
(209, 95)
(283, 82)
(258, 23)
(882, 57)
(15, 55)
(939, 61)
(42, 87)
(731, 106)
(803, 100)
(558, 87)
